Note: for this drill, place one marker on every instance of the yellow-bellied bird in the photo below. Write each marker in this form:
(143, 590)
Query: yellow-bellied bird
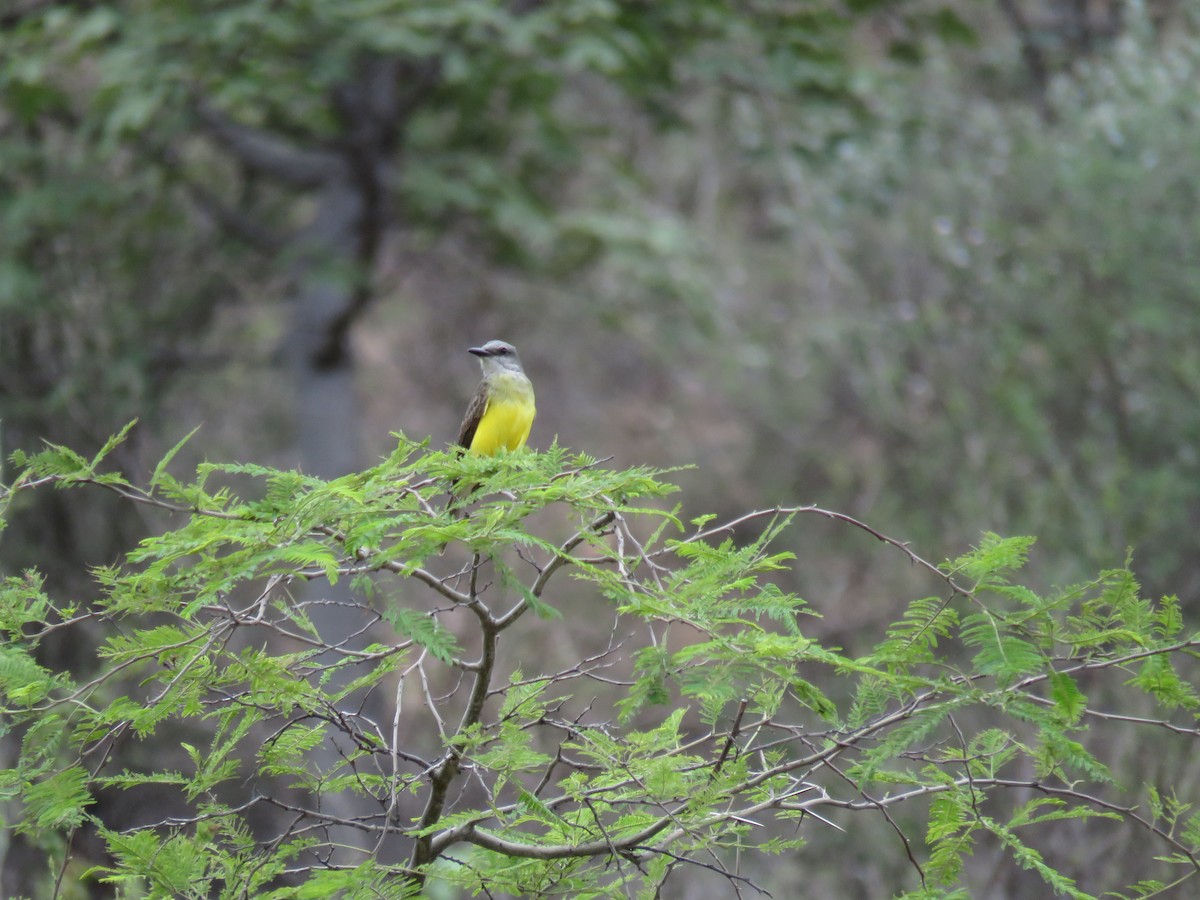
(502, 410)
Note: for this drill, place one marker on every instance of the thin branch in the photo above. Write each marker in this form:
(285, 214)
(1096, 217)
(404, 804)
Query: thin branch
(908, 851)
(902, 546)
(470, 833)
(733, 877)
(734, 731)
(561, 558)
(1129, 812)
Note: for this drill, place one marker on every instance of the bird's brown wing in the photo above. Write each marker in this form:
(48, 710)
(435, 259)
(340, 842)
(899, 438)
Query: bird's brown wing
(475, 410)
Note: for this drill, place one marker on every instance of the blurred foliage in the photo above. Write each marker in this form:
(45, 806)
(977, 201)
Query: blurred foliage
(102, 307)
(494, 110)
(995, 324)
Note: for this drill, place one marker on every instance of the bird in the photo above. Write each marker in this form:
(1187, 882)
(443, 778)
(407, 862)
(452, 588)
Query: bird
(501, 412)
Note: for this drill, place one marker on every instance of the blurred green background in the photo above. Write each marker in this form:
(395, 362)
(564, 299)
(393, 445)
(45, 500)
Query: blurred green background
(933, 265)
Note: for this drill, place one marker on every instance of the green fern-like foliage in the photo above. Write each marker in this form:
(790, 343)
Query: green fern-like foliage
(335, 688)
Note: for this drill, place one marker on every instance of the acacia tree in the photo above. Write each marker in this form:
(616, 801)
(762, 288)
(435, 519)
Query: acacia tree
(699, 730)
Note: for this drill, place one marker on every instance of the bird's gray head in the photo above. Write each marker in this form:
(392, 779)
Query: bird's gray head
(498, 356)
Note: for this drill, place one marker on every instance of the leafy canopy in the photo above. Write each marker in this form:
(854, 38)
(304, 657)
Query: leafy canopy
(689, 718)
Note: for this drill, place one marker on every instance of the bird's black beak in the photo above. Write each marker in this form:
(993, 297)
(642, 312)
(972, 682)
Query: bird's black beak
(478, 351)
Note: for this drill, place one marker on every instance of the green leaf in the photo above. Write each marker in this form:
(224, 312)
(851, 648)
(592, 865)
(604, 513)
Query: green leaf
(1067, 697)
(423, 630)
(161, 468)
(111, 444)
(57, 802)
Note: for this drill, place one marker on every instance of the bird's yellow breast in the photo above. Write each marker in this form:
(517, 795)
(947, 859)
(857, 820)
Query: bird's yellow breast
(508, 417)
